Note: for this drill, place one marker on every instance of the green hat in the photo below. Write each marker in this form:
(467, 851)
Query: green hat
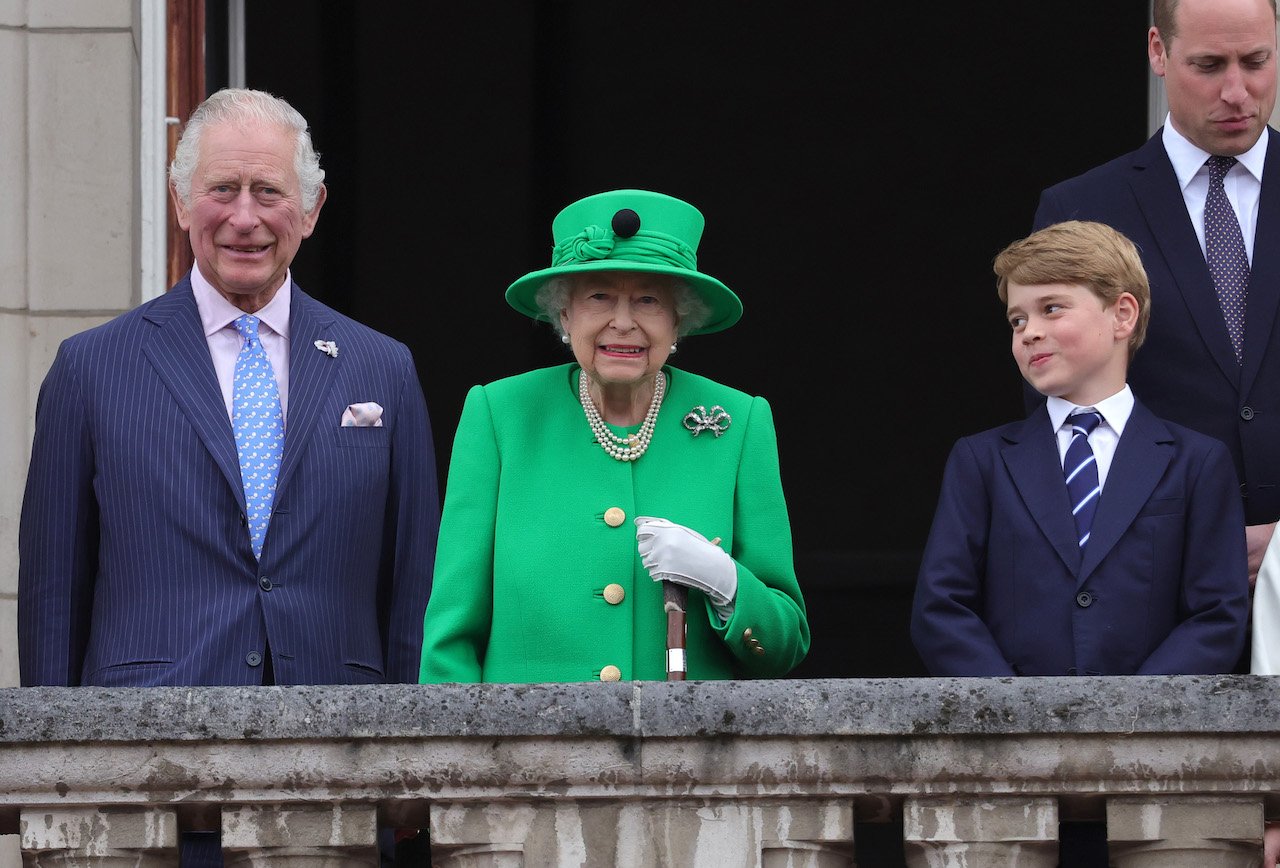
(630, 230)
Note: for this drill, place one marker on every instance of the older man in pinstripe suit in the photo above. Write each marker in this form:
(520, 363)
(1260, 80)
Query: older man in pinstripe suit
(137, 566)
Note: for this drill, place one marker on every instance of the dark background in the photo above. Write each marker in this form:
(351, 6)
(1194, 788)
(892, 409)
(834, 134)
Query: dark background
(858, 172)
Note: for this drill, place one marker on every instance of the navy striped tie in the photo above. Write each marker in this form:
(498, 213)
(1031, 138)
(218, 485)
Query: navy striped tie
(1082, 472)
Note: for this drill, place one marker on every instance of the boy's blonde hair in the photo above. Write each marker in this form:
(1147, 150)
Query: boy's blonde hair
(1079, 252)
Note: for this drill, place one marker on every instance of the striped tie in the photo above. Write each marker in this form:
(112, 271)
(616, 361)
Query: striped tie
(1082, 472)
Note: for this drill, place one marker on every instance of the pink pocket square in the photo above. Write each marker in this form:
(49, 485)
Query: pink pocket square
(366, 415)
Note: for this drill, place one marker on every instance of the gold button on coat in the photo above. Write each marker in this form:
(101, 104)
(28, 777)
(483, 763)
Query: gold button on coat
(611, 673)
(746, 634)
(613, 516)
(614, 594)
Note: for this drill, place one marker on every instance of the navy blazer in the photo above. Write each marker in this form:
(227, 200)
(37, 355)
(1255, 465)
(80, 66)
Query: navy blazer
(1186, 371)
(1161, 587)
(134, 560)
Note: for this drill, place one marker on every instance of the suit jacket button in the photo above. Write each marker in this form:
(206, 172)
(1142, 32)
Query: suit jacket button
(264, 583)
(611, 673)
(244, 522)
(1246, 413)
(1084, 599)
(613, 516)
(614, 594)
(253, 658)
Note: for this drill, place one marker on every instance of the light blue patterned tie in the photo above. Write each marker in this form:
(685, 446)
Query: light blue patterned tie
(259, 428)
(1082, 472)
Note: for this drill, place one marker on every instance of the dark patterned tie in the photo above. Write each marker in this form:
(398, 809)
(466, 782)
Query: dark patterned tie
(1225, 253)
(1082, 472)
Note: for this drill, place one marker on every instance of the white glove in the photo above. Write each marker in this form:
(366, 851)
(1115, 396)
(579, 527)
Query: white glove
(674, 553)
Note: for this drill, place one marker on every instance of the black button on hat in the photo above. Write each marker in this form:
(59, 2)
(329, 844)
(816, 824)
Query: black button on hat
(625, 223)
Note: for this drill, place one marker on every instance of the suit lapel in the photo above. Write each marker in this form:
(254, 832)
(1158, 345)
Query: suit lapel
(1264, 272)
(1159, 196)
(311, 375)
(1031, 456)
(178, 350)
(1137, 467)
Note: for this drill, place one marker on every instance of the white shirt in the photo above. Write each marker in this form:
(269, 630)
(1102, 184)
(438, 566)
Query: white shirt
(1115, 415)
(217, 315)
(1243, 184)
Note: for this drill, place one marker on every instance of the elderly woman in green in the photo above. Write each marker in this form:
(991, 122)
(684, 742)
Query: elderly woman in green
(575, 492)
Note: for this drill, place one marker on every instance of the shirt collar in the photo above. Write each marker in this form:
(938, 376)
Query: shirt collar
(216, 313)
(1188, 159)
(1115, 410)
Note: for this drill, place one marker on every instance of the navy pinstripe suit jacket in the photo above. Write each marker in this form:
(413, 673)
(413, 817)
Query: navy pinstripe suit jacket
(135, 566)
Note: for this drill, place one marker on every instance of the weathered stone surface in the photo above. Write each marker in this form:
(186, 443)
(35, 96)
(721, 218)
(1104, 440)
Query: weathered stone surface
(906, 707)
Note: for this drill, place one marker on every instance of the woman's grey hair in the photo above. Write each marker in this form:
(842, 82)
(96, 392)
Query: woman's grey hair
(691, 311)
(241, 106)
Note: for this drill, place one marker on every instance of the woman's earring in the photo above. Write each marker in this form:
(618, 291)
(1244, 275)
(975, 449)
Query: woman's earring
(564, 339)
(674, 347)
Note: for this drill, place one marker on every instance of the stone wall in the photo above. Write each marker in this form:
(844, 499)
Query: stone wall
(977, 771)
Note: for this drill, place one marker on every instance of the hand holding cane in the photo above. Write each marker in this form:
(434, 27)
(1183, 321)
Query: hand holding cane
(682, 558)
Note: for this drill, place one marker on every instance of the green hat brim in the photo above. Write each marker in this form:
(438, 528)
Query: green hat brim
(726, 307)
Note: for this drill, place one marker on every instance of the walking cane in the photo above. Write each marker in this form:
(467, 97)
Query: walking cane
(674, 599)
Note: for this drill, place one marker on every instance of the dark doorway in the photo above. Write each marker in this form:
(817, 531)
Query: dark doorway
(858, 170)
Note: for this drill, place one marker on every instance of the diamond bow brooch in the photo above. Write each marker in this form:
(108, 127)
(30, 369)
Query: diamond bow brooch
(701, 419)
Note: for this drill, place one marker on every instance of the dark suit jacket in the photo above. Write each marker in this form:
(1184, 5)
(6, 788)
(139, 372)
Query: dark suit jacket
(1186, 371)
(135, 567)
(1161, 587)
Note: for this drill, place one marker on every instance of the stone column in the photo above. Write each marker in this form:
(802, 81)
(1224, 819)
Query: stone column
(700, 833)
(1185, 831)
(100, 837)
(979, 831)
(300, 836)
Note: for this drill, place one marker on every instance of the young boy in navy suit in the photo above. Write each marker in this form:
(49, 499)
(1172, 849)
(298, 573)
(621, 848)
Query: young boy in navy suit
(1140, 571)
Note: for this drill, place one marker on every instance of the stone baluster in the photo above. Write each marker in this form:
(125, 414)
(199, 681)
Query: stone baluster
(979, 831)
(1185, 831)
(700, 833)
(90, 837)
(300, 836)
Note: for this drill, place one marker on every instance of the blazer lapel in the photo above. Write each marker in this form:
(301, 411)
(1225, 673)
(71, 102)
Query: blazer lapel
(1264, 271)
(1156, 188)
(1032, 460)
(1141, 458)
(178, 350)
(311, 375)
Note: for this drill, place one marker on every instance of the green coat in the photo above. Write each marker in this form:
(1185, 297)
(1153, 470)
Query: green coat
(526, 554)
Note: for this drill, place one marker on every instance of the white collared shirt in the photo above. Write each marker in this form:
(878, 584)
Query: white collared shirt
(1115, 415)
(1243, 184)
(217, 316)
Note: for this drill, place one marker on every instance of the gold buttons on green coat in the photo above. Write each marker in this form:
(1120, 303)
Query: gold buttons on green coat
(752, 642)
(614, 594)
(611, 673)
(613, 516)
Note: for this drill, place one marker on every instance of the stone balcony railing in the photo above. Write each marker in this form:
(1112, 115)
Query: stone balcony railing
(976, 772)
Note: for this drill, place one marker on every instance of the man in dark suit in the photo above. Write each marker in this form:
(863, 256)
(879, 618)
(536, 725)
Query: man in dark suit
(1218, 62)
(165, 539)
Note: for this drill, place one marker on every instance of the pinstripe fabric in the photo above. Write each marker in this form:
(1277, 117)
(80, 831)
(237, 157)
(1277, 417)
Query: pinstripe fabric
(135, 566)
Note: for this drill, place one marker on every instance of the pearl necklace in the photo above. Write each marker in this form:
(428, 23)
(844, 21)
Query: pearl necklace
(622, 448)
